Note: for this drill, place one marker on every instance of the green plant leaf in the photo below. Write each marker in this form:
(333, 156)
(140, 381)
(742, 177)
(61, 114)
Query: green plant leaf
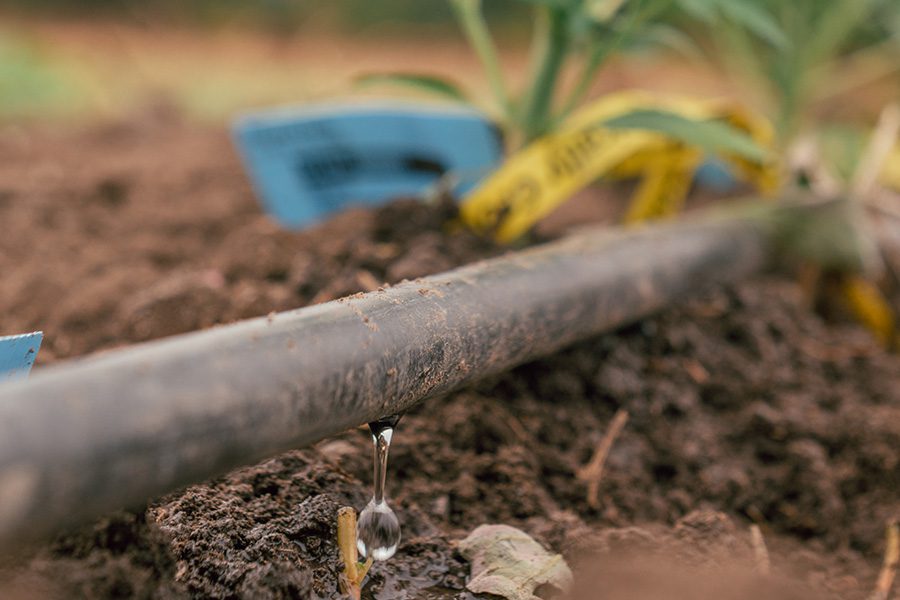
(603, 10)
(702, 10)
(467, 5)
(672, 38)
(754, 17)
(714, 137)
(423, 83)
(841, 147)
(833, 29)
(550, 3)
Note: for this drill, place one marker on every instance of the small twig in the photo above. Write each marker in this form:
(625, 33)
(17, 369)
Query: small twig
(891, 561)
(512, 422)
(354, 571)
(760, 552)
(696, 371)
(592, 472)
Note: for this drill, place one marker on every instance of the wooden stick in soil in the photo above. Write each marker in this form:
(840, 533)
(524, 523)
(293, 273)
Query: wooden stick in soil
(760, 552)
(354, 571)
(891, 562)
(592, 472)
(91, 435)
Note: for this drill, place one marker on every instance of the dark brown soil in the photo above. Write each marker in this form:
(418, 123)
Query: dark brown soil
(744, 407)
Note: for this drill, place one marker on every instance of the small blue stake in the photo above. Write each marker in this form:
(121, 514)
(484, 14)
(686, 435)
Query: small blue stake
(310, 162)
(17, 354)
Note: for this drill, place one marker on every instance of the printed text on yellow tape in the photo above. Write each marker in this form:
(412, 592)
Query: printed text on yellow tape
(538, 178)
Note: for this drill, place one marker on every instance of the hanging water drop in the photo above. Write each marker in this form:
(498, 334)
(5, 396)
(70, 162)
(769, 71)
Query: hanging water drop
(378, 529)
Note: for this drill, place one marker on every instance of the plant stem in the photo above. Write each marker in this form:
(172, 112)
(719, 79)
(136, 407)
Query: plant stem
(595, 60)
(597, 55)
(346, 538)
(471, 20)
(535, 119)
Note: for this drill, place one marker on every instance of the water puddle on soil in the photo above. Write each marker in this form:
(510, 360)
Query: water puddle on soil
(378, 529)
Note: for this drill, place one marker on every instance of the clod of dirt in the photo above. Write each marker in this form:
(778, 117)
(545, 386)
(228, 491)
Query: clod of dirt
(507, 562)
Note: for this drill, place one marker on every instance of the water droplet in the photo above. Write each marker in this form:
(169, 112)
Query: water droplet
(378, 529)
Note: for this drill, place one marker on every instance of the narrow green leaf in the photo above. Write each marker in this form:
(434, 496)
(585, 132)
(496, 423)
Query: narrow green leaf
(549, 3)
(841, 147)
(423, 83)
(672, 38)
(702, 10)
(754, 17)
(714, 137)
(602, 11)
(833, 29)
(466, 5)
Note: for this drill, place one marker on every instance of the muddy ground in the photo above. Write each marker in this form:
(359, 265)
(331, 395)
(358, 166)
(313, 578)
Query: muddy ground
(744, 407)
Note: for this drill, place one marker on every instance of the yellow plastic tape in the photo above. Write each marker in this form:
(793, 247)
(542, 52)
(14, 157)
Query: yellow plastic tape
(665, 185)
(537, 179)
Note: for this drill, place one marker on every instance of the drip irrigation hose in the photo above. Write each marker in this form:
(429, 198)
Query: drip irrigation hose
(115, 430)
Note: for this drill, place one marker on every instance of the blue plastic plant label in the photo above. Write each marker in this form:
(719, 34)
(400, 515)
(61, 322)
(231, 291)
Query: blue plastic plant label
(308, 163)
(17, 354)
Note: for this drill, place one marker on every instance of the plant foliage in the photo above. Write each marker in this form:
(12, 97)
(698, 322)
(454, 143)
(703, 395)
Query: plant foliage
(582, 35)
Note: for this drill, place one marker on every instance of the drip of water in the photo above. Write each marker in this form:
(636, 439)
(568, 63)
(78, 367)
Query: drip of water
(378, 529)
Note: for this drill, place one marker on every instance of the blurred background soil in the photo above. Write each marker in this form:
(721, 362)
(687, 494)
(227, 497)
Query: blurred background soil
(744, 406)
